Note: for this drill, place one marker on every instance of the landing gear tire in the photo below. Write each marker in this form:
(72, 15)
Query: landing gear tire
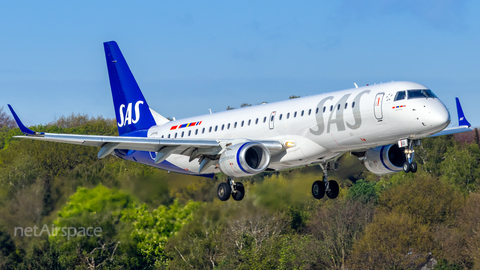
(318, 189)
(413, 167)
(406, 167)
(224, 191)
(333, 189)
(238, 196)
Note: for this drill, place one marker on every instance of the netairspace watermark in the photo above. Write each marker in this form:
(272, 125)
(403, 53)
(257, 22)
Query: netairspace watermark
(58, 231)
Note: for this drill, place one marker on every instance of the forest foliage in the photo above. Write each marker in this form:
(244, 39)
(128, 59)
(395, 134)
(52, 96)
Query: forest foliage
(152, 219)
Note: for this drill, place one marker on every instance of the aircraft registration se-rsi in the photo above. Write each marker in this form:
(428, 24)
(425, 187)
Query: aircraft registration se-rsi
(378, 123)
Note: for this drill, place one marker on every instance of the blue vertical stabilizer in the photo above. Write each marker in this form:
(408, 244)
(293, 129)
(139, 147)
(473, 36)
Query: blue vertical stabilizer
(131, 108)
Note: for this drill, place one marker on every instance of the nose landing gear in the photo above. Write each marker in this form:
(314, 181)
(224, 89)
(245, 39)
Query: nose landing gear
(409, 165)
(320, 188)
(225, 189)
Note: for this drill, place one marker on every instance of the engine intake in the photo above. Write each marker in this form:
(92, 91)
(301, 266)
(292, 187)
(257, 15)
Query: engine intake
(384, 159)
(244, 159)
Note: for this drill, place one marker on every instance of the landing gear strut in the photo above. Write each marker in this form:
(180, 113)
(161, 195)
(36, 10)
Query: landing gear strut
(320, 188)
(410, 165)
(225, 189)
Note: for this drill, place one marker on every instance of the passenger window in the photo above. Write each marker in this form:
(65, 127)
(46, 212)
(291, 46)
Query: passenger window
(183, 132)
(324, 108)
(169, 136)
(280, 118)
(162, 136)
(175, 135)
(288, 115)
(295, 115)
(346, 105)
(331, 108)
(228, 126)
(400, 95)
(189, 133)
(223, 126)
(196, 131)
(256, 121)
(302, 113)
(264, 119)
(338, 107)
(210, 130)
(309, 111)
(243, 122)
(216, 128)
(249, 121)
(235, 125)
(316, 111)
(203, 130)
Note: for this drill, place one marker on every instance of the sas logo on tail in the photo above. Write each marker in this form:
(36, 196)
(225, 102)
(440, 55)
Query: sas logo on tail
(126, 118)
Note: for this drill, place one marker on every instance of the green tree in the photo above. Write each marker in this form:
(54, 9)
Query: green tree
(9, 254)
(461, 167)
(363, 191)
(392, 241)
(151, 229)
(432, 152)
(427, 199)
(98, 208)
(337, 226)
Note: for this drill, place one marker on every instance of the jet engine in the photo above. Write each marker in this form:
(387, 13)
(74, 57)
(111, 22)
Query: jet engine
(244, 159)
(384, 159)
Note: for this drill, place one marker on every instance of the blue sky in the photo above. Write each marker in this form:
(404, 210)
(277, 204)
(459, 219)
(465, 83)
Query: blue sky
(189, 56)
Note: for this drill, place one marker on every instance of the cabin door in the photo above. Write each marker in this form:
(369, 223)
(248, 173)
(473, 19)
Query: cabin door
(378, 106)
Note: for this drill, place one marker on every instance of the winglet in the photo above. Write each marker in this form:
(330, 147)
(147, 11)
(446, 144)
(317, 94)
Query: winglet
(462, 121)
(22, 127)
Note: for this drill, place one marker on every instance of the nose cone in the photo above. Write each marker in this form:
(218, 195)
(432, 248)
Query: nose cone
(439, 117)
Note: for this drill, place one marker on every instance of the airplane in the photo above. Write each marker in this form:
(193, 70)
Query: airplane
(379, 124)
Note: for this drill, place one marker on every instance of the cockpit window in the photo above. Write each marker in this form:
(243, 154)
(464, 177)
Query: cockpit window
(400, 95)
(423, 93)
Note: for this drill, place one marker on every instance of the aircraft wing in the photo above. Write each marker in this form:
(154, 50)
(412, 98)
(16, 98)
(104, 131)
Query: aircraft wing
(164, 147)
(463, 124)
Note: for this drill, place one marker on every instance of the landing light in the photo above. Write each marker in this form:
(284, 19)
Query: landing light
(289, 144)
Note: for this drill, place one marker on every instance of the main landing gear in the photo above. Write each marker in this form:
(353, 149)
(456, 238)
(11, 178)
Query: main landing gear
(320, 188)
(225, 189)
(410, 165)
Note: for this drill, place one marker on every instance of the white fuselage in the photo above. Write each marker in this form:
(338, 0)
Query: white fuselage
(321, 127)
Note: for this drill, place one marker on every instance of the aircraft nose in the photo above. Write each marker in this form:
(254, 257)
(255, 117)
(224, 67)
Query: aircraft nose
(440, 117)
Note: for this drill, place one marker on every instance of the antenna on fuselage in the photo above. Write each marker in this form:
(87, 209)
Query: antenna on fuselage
(210, 111)
(356, 86)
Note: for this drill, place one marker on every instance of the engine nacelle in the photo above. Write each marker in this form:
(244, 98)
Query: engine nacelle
(384, 159)
(244, 159)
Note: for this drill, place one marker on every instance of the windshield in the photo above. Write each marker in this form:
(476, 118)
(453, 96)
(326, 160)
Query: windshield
(400, 95)
(422, 93)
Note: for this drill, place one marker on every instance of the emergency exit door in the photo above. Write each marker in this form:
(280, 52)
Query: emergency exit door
(272, 119)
